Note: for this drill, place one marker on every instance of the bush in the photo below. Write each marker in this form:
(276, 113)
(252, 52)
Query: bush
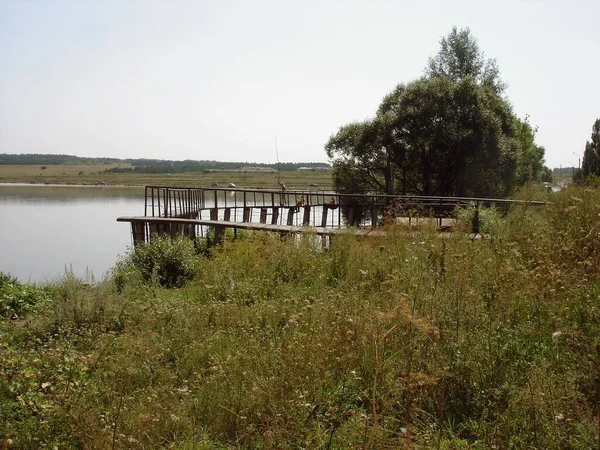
(167, 261)
(18, 297)
(489, 218)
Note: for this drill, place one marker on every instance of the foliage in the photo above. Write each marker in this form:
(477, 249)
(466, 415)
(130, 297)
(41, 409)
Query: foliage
(407, 341)
(591, 157)
(450, 133)
(460, 57)
(362, 157)
(165, 261)
(488, 218)
(531, 159)
(17, 298)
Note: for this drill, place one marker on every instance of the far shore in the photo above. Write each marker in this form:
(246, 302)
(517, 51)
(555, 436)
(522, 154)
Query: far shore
(88, 175)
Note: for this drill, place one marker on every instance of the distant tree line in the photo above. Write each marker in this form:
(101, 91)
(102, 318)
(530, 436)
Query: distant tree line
(144, 165)
(159, 166)
(450, 133)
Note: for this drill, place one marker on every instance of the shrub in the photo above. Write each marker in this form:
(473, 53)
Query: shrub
(488, 218)
(18, 297)
(167, 261)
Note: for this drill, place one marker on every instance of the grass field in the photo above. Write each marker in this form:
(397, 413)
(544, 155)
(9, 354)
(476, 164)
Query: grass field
(86, 174)
(401, 342)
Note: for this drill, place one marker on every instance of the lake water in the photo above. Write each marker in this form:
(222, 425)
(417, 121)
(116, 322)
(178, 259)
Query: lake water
(47, 229)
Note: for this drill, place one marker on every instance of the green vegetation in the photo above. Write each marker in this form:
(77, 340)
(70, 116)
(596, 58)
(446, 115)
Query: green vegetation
(404, 341)
(450, 133)
(17, 299)
(166, 262)
(590, 167)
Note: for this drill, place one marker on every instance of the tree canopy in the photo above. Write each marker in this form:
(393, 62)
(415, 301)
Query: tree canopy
(591, 156)
(460, 57)
(451, 132)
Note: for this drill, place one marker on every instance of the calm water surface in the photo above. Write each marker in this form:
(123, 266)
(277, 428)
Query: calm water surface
(47, 229)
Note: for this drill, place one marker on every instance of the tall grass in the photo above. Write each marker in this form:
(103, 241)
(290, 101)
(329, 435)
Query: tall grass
(407, 341)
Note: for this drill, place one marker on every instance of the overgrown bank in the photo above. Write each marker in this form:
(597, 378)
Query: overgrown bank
(399, 342)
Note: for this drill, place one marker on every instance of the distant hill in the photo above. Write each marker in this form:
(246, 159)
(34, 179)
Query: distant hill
(144, 165)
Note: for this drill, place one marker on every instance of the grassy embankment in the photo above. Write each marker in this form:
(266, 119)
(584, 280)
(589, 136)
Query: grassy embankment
(94, 174)
(396, 342)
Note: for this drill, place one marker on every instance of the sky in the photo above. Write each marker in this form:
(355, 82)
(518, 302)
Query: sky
(235, 80)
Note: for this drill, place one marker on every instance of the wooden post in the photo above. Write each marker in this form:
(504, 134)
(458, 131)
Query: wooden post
(214, 214)
(275, 217)
(138, 229)
(290, 219)
(219, 234)
(476, 219)
(351, 215)
(247, 214)
(227, 215)
(263, 215)
(157, 203)
(324, 217)
(306, 219)
(173, 228)
(166, 198)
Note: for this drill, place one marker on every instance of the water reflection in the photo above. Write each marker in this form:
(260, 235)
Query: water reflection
(47, 228)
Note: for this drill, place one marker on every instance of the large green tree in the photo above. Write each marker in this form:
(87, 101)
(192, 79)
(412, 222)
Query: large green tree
(460, 57)
(451, 132)
(591, 156)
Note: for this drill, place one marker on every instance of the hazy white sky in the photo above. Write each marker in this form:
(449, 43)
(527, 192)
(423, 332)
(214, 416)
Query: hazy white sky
(217, 80)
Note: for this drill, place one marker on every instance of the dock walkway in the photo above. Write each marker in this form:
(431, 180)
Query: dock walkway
(192, 211)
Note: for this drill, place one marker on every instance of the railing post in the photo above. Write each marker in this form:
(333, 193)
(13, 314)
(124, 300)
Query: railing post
(324, 217)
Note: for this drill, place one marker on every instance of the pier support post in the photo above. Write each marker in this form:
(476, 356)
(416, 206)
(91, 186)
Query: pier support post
(263, 215)
(374, 217)
(275, 217)
(306, 218)
(219, 235)
(138, 229)
(476, 219)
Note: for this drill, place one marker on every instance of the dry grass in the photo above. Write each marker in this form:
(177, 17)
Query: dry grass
(397, 342)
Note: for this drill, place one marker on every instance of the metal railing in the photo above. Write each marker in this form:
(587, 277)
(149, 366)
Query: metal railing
(305, 207)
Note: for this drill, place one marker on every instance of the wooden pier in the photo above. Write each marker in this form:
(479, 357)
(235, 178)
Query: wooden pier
(192, 211)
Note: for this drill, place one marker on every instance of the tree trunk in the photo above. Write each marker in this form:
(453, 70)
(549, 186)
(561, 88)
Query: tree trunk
(389, 177)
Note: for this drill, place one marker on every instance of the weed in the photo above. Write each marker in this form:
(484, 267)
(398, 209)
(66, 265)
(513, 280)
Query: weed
(407, 341)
